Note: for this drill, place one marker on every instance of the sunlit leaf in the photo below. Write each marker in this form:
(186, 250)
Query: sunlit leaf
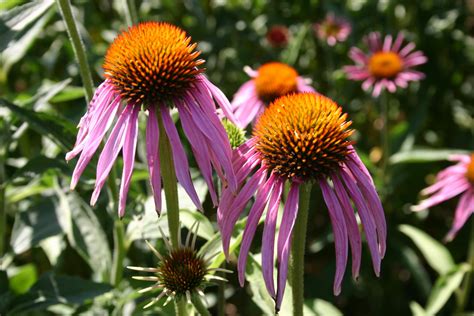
(23, 278)
(423, 155)
(444, 288)
(437, 255)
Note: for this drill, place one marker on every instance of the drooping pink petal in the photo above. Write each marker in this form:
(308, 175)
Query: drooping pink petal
(463, 211)
(398, 42)
(181, 165)
(387, 43)
(284, 239)
(366, 219)
(129, 148)
(254, 216)
(374, 204)
(452, 179)
(111, 150)
(339, 230)
(238, 204)
(351, 223)
(200, 149)
(407, 49)
(92, 142)
(357, 56)
(443, 195)
(268, 238)
(303, 86)
(153, 156)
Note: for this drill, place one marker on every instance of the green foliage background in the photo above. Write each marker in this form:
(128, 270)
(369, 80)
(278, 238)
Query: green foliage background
(58, 252)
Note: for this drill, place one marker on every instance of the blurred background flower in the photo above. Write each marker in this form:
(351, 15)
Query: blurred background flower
(332, 29)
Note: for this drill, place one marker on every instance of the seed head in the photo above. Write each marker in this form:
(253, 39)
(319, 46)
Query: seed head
(275, 80)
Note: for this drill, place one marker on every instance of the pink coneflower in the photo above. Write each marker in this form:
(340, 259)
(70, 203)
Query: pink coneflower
(299, 138)
(278, 36)
(450, 182)
(153, 66)
(388, 64)
(333, 29)
(270, 81)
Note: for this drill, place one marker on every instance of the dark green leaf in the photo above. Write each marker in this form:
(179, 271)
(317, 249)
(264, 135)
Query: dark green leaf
(58, 129)
(34, 225)
(57, 289)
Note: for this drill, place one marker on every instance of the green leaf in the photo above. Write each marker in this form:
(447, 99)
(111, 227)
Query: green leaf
(321, 307)
(437, 255)
(416, 309)
(57, 289)
(17, 19)
(38, 165)
(254, 277)
(33, 225)
(24, 277)
(16, 47)
(423, 155)
(68, 94)
(445, 287)
(84, 232)
(58, 129)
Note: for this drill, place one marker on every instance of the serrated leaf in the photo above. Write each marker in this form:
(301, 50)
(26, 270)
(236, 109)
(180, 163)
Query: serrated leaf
(423, 155)
(444, 288)
(437, 255)
(58, 129)
(57, 289)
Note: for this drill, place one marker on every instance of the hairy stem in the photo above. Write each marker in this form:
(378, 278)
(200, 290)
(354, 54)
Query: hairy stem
(169, 184)
(78, 47)
(298, 250)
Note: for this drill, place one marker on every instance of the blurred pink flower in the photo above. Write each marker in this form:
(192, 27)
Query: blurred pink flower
(333, 29)
(451, 182)
(278, 36)
(387, 65)
(153, 66)
(269, 82)
(302, 138)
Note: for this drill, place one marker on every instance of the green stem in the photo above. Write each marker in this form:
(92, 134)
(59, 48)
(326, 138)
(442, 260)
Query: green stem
(130, 12)
(78, 46)
(3, 208)
(384, 137)
(469, 279)
(298, 250)
(199, 305)
(119, 252)
(221, 296)
(169, 183)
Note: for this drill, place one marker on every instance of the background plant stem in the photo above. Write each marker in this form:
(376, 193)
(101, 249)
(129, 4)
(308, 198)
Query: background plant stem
(298, 250)
(199, 305)
(78, 47)
(130, 12)
(3, 209)
(463, 298)
(384, 137)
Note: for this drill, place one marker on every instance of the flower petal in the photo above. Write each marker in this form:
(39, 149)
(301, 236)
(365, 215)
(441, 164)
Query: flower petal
(153, 156)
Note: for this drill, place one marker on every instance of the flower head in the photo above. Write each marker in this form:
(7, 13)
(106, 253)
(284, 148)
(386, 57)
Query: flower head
(302, 138)
(451, 182)
(387, 65)
(181, 272)
(269, 82)
(333, 29)
(278, 36)
(154, 66)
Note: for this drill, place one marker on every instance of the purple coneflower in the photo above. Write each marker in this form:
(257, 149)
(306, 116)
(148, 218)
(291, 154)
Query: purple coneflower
(278, 36)
(270, 81)
(388, 64)
(333, 29)
(153, 66)
(300, 138)
(451, 182)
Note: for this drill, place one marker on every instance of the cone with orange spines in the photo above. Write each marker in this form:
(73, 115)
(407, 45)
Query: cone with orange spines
(154, 66)
(302, 138)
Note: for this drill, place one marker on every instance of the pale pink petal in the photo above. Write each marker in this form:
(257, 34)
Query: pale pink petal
(464, 210)
(129, 148)
(153, 156)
